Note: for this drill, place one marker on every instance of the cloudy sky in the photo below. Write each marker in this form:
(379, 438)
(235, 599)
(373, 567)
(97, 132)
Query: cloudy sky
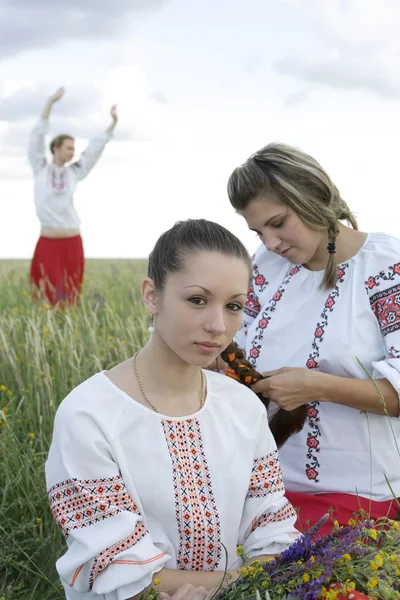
(199, 86)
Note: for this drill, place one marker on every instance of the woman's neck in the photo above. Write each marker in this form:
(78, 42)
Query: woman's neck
(164, 374)
(348, 243)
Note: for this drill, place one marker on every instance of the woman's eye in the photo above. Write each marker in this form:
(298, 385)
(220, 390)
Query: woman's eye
(258, 234)
(278, 225)
(197, 300)
(235, 307)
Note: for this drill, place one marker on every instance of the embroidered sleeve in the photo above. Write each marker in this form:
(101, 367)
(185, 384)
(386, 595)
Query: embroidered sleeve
(90, 155)
(383, 289)
(36, 148)
(109, 550)
(268, 519)
(252, 307)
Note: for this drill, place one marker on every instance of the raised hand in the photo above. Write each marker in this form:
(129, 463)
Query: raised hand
(113, 113)
(58, 95)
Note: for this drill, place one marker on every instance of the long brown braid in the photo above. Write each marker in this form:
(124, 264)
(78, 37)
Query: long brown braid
(283, 424)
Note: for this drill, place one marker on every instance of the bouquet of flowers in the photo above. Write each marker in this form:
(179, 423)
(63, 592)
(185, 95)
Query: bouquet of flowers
(360, 560)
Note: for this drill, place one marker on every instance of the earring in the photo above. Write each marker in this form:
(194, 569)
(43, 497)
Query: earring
(151, 328)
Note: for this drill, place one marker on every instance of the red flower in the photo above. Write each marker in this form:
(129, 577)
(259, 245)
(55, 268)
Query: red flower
(263, 323)
(371, 283)
(254, 353)
(329, 303)
(311, 363)
(319, 332)
(312, 412)
(260, 280)
(396, 269)
(277, 296)
(312, 473)
(312, 442)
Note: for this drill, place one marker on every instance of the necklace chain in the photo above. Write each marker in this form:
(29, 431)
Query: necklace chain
(202, 386)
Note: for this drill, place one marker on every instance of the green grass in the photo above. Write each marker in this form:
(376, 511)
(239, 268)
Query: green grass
(44, 353)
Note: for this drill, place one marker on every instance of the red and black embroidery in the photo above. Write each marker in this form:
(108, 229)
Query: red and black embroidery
(58, 181)
(386, 307)
(314, 433)
(266, 476)
(76, 503)
(108, 556)
(284, 513)
(197, 516)
(394, 352)
(259, 280)
(252, 306)
(374, 281)
(266, 315)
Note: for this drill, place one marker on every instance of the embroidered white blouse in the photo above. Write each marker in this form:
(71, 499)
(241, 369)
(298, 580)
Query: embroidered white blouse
(134, 491)
(55, 186)
(290, 321)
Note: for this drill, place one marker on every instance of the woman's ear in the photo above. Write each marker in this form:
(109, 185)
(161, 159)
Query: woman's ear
(149, 295)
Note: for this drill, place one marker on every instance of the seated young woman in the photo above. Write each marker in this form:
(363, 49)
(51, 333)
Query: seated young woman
(157, 467)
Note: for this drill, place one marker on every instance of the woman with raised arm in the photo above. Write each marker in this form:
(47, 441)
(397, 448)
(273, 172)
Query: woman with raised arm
(159, 469)
(58, 262)
(323, 310)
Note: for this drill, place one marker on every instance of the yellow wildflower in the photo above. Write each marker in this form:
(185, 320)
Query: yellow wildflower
(306, 577)
(157, 582)
(352, 522)
(372, 533)
(346, 557)
(373, 583)
(3, 388)
(32, 435)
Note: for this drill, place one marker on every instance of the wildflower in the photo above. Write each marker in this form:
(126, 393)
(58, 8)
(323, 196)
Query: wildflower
(372, 533)
(157, 582)
(373, 583)
(239, 551)
(32, 435)
(3, 388)
(347, 557)
(352, 523)
(306, 577)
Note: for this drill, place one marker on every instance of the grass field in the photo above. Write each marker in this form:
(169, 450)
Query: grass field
(44, 353)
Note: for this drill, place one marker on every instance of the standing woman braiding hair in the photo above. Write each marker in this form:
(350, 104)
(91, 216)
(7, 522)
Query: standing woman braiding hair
(324, 295)
(58, 262)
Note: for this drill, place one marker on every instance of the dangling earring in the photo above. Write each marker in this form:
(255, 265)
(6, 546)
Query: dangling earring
(151, 327)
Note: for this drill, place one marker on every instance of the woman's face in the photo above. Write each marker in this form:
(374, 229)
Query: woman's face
(65, 152)
(200, 309)
(281, 230)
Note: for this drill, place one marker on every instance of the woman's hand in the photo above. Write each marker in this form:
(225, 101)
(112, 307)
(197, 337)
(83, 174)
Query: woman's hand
(291, 387)
(57, 96)
(187, 592)
(113, 113)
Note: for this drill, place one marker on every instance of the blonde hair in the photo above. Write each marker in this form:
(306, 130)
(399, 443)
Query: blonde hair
(58, 141)
(301, 183)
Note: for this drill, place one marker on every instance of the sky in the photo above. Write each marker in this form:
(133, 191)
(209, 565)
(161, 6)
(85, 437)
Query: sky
(199, 87)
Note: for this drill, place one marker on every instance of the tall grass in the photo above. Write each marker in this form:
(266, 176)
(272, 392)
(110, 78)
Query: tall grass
(44, 353)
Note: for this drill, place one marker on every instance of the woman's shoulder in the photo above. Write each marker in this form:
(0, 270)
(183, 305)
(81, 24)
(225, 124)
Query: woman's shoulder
(380, 256)
(92, 400)
(236, 395)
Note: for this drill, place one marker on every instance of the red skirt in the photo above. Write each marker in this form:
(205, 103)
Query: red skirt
(311, 507)
(57, 269)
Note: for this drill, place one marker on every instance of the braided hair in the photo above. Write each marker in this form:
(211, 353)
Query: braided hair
(284, 423)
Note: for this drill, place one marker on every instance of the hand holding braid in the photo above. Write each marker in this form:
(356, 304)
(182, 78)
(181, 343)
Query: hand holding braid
(283, 424)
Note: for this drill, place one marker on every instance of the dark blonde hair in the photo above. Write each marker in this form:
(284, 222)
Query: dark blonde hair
(58, 141)
(301, 183)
